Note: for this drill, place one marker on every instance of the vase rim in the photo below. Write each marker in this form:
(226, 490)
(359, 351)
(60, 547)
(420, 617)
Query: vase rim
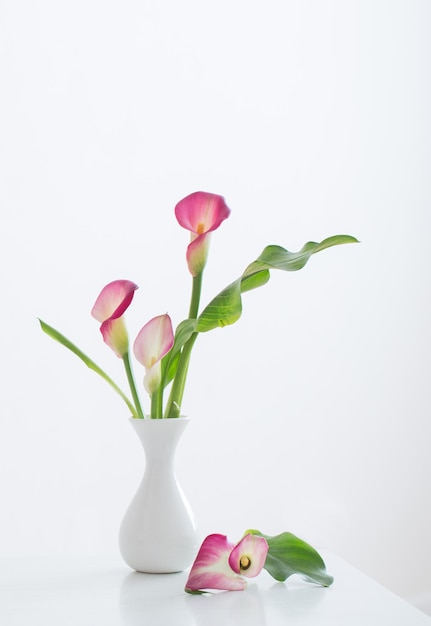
(181, 418)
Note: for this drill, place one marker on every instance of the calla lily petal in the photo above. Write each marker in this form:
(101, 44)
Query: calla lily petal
(211, 569)
(115, 335)
(113, 300)
(197, 253)
(153, 377)
(153, 341)
(110, 305)
(249, 555)
(201, 212)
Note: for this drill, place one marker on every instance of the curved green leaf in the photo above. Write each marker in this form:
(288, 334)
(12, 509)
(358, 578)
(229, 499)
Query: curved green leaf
(276, 257)
(226, 307)
(253, 281)
(288, 555)
(55, 334)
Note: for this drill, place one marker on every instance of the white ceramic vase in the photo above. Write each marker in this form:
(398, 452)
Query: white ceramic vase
(158, 533)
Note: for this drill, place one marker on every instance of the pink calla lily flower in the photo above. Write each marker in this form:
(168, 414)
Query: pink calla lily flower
(153, 341)
(211, 569)
(219, 562)
(248, 556)
(108, 309)
(200, 213)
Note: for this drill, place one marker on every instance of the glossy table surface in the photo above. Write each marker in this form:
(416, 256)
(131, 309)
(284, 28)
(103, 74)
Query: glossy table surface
(101, 590)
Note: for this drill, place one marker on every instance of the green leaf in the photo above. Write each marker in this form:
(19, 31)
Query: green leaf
(254, 280)
(169, 368)
(276, 257)
(226, 307)
(57, 336)
(288, 555)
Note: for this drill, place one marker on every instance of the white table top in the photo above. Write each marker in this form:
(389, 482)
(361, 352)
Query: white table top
(103, 591)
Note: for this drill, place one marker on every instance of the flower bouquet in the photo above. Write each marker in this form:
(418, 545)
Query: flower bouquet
(165, 357)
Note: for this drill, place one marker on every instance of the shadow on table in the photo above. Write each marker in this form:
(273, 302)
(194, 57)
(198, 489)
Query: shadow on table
(146, 599)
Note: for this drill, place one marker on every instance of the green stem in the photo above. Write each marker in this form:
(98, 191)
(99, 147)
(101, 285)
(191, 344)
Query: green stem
(173, 407)
(196, 296)
(157, 404)
(130, 378)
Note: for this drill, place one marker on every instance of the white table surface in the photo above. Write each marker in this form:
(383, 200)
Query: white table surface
(103, 591)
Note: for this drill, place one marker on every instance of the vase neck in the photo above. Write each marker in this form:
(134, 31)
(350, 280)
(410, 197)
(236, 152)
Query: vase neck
(159, 438)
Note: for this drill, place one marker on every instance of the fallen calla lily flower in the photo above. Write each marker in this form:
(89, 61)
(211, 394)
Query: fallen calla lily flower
(249, 555)
(200, 213)
(153, 341)
(108, 309)
(219, 563)
(211, 569)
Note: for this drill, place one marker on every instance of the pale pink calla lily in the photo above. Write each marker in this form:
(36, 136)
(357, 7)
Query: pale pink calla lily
(153, 341)
(248, 556)
(219, 563)
(108, 309)
(200, 213)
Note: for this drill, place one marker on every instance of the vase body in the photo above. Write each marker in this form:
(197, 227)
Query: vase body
(158, 533)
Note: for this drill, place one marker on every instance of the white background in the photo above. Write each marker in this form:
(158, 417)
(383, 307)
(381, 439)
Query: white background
(312, 413)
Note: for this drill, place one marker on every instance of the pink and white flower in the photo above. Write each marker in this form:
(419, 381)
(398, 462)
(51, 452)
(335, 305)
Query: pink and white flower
(200, 213)
(153, 341)
(109, 308)
(219, 563)
(248, 556)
